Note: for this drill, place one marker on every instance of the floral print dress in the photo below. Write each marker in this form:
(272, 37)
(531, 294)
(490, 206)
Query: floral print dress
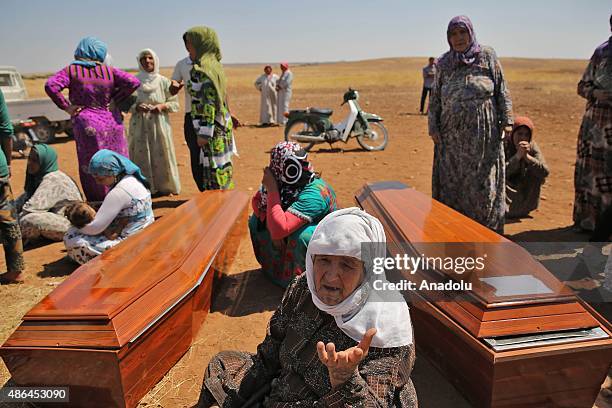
(212, 121)
(469, 106)
(593, 174)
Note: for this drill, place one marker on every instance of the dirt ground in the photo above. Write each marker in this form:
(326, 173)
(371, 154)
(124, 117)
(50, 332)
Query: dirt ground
(545, 90)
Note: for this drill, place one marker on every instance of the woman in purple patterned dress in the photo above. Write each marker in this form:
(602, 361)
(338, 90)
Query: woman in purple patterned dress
(92, 86)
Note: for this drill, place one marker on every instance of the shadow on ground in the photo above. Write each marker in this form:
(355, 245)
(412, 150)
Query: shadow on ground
(563, 234)
(59, 268)
(246, 293)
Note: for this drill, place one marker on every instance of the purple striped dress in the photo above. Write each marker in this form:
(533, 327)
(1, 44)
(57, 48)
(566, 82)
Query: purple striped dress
(96, 126)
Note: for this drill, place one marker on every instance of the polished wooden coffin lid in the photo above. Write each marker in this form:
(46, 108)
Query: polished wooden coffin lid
(114, 298)
(412, 219)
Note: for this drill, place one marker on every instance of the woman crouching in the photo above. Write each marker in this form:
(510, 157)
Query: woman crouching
(329, 343)
(128, 203)
(286, 210)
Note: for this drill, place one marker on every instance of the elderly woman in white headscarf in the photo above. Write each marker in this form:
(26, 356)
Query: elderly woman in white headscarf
(150, 134)
(334, 340)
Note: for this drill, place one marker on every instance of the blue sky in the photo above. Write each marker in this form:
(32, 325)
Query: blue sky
(40, 35)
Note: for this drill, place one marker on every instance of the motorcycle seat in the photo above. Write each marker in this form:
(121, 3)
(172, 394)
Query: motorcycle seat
(297, 111)
(323, 112)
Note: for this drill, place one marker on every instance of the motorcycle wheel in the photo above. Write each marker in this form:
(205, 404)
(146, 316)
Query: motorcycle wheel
(376, 140)
(299, 126)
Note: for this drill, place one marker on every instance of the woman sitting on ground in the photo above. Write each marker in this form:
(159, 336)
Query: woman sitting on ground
(129, 199)
(292, 200)
(333, 341)
(47, 192)
(526, 169)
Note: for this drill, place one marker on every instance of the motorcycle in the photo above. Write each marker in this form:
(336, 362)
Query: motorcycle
(312, 126)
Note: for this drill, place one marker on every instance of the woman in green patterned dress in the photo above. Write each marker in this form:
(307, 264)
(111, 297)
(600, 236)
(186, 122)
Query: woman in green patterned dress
(211, 117)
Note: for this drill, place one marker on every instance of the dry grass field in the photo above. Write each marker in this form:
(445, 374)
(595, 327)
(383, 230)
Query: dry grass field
(545, 90)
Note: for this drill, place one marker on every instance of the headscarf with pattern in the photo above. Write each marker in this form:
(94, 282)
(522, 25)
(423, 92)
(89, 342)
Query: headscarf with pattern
(292, 171)
(453, 58)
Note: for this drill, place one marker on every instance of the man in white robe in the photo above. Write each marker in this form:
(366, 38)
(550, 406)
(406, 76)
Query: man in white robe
(283, 87)
(266, 84)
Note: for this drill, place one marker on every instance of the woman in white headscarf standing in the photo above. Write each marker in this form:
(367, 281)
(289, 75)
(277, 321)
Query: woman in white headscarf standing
(150, 134)
(334, 340)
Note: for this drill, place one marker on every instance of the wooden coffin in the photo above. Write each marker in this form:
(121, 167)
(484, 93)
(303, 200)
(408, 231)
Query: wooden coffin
(116, 326)
(519, 350)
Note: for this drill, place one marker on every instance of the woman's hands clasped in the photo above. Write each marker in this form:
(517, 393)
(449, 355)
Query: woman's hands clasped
(341, 365)
(268, 180)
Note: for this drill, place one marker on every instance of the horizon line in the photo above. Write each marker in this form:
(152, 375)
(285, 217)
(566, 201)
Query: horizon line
(298, 63)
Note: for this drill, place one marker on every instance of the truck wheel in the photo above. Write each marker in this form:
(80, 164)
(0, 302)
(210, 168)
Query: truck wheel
(21, 143)
(45, 133)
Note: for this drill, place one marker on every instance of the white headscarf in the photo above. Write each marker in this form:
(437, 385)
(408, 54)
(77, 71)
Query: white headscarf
(149, 81)
(342, 233)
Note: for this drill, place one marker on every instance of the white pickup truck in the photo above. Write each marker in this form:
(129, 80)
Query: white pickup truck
(35, 120)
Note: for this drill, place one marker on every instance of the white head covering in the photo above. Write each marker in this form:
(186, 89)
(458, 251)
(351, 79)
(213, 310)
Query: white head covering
(342, 233)
(149, 81)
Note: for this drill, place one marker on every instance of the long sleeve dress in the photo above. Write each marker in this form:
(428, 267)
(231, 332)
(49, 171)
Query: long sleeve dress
(150, 139)
(468, 107)
(593, 173)
(128, 199)
(284, 84)
(287, 370)
(282, 264)
(42, 214)
(97, 126)
(212, 121)
(266, 85)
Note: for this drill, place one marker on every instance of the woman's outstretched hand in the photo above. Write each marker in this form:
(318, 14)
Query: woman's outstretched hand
(342, 364)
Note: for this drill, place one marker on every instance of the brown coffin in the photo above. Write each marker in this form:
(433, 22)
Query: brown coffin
(458, 330)
(114, 328)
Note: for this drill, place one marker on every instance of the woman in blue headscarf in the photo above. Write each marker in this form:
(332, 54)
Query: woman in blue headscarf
(469, 108)
(47, 193)
(128, 203)
(92, 87)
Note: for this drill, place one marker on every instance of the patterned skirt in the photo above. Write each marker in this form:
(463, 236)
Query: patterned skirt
(284, 260)
(593, 173)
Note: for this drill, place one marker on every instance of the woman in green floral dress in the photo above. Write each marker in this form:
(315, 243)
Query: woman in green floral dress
(211, 117)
